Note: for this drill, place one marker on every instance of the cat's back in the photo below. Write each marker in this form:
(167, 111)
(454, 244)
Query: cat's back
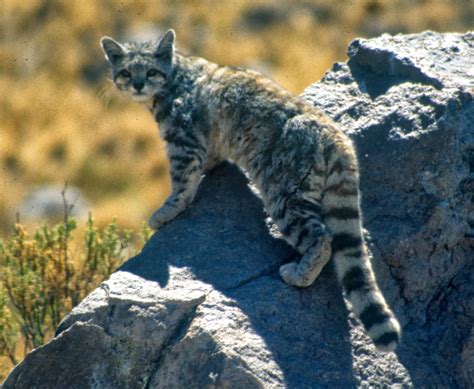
(240, 102)
(242, 93)
(240, 86)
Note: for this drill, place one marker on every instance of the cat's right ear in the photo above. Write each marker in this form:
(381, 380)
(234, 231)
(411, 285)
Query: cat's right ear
(113, 50)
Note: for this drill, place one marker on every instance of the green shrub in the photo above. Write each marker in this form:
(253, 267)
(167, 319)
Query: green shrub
(44, 276)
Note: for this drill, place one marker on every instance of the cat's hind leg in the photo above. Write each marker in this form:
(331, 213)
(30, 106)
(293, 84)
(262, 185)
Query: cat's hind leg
(305, 272)
(303, 228)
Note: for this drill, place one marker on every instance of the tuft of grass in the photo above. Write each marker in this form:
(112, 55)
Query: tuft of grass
(44, 275)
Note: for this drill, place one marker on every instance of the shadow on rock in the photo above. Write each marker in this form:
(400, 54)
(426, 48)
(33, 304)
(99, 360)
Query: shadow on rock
(223, 240)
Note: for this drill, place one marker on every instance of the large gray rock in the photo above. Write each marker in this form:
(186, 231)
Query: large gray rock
(203, 306)
(407, 102)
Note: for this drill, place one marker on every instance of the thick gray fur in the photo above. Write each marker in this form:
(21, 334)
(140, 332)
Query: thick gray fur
(304, 166)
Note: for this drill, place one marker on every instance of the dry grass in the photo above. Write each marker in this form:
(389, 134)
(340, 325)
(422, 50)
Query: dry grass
(62, 120)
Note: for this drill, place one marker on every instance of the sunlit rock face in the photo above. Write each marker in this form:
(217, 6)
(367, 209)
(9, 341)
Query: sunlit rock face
(407, 102)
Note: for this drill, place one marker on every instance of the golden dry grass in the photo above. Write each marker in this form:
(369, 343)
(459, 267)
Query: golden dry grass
(61, 120)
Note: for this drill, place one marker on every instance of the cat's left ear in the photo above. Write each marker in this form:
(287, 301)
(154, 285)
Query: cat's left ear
(113, 50)
(165, 48)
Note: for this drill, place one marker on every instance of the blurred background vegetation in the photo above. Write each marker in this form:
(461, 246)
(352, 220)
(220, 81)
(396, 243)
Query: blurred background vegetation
(61, 121)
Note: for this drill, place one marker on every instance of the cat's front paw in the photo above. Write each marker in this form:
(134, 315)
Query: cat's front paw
(157, 220)
(155, 223)
(164, 215)
(291, 275)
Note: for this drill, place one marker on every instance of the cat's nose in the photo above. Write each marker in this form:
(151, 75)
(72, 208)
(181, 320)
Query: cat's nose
(138, 85)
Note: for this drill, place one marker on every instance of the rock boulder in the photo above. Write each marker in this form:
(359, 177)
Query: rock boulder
(203, 306)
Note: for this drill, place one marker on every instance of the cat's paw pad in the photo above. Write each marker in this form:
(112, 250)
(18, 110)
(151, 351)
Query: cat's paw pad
(291, 275)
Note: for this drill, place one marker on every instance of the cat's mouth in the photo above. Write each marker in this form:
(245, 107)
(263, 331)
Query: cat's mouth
(140, 97)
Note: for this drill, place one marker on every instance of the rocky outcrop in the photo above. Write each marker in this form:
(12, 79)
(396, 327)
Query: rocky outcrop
(407, 102)
(203, 305)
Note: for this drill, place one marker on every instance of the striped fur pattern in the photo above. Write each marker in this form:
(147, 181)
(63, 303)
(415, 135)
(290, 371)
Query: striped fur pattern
(304, 166)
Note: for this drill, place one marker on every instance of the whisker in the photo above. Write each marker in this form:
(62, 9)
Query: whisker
(105, 95)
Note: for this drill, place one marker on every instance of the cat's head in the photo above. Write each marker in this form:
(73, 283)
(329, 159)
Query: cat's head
(140, 69)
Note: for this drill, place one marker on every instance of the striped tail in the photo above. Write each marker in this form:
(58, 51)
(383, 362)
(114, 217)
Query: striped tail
(341, 212)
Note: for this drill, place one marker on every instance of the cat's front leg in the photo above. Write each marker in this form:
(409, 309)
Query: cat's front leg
(186, 168)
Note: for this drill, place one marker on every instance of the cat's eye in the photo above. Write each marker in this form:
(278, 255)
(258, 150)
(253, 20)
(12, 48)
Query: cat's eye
(152, 73)
(125, 73)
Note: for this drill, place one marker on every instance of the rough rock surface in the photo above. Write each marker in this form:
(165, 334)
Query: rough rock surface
(203, 305)
(407, 102)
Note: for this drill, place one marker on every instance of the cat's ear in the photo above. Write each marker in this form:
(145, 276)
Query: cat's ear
(165, 48)
(113, 50)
